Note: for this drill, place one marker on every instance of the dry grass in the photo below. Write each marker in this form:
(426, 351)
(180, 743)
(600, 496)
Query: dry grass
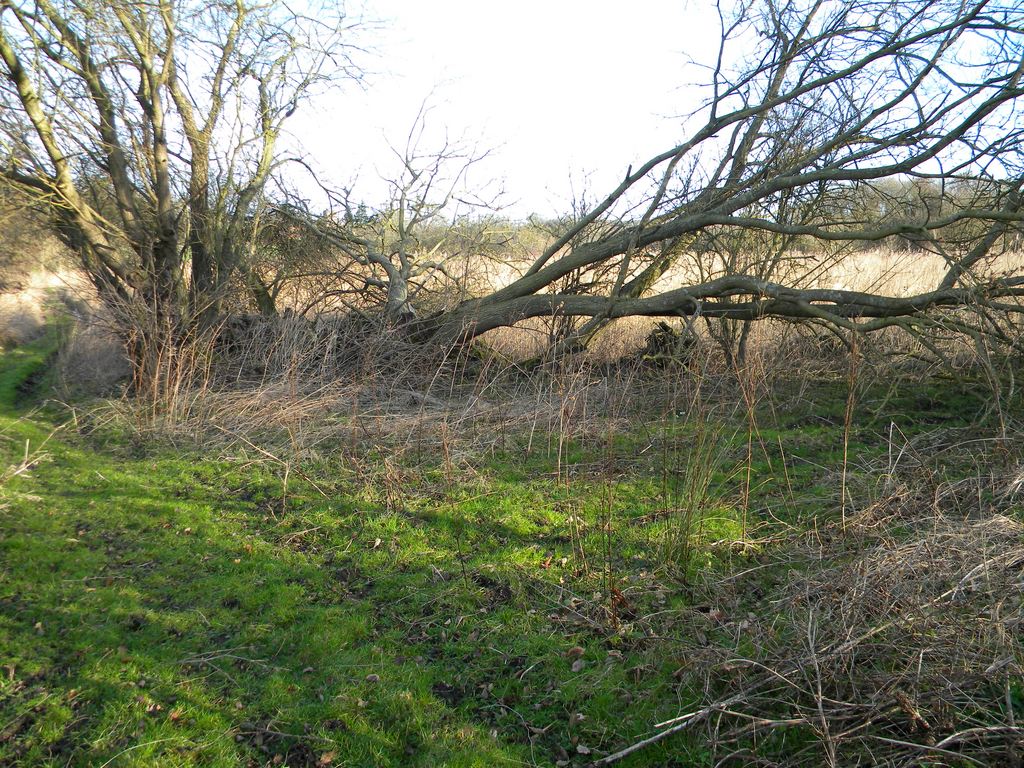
(273, 349)
(884, 271)
(92, 362)
(893, 640)
(904, 273)
(904, 654)
(309, 409)
(889, 636)
(24, 310)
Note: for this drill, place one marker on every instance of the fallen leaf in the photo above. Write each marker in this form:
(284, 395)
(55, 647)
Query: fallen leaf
(574, 653)
(578, 665)
(326, 758)
(583, 750)
(373, 678)
(999, 664)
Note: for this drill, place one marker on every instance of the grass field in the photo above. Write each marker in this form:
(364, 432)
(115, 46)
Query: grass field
(552, 568)
(801, 562)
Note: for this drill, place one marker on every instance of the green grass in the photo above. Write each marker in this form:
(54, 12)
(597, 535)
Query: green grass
(22, 368)
(155, 615)
(165, 611)
(170, 606)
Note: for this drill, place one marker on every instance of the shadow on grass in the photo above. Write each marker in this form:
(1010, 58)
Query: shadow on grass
(153, 614)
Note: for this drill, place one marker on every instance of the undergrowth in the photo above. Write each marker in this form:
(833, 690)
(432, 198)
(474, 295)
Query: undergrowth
(567, 567)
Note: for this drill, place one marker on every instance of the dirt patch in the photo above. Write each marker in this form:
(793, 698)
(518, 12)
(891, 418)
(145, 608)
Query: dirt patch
(451, 695)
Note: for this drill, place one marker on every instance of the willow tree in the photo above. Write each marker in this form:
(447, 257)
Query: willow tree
(149, 133)
(810, 106)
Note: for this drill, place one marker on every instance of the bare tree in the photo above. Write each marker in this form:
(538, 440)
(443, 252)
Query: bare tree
(150, 131)
(418, 235)
(810, 105)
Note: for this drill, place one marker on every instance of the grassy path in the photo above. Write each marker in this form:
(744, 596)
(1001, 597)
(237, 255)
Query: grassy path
(160, 608)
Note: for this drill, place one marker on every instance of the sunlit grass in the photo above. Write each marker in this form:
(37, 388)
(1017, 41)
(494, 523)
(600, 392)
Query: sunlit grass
(452, 587)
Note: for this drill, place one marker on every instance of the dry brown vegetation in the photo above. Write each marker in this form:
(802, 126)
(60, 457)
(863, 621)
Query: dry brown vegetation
(688, 476)
(865, 609)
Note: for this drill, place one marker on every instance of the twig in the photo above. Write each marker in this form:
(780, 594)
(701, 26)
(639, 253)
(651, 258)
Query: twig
(271, 456)
(969, 734)
(293, 536)
(30, 460)
(681, 724)
(685, 721)
(304, 737)
(925, 748)
(206, 658)
(138, 746)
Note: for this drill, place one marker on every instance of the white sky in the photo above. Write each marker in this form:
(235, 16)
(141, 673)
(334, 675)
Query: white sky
(567, 93)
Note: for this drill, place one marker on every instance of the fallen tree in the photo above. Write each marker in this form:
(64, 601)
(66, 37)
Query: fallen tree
(824, 126)
(828, 103)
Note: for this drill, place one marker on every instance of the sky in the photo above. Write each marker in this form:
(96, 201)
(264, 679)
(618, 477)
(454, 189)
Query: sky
(564, 94)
